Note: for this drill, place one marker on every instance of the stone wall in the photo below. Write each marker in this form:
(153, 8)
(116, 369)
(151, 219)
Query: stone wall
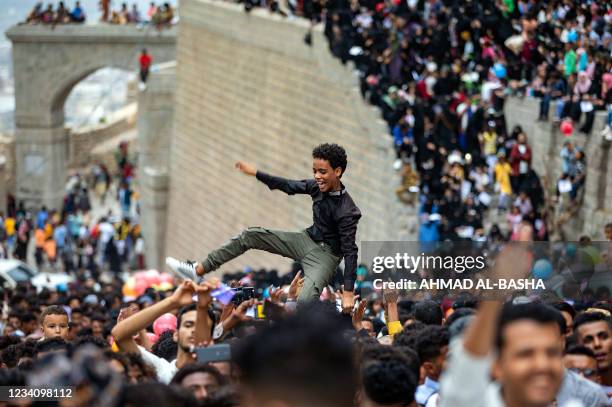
(155, 126)
(82, 141)
(248, 88)
(546, 141)
(7, 150)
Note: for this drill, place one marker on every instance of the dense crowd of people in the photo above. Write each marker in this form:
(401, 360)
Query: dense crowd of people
(441, 72)
(188, 345)
(71, 240)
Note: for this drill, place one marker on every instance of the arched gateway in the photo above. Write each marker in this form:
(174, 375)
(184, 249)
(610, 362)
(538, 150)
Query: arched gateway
(47, 63)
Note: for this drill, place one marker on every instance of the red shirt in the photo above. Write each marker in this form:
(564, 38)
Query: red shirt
(145, 61)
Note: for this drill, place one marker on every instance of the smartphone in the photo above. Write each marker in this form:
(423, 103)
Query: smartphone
(214, 353)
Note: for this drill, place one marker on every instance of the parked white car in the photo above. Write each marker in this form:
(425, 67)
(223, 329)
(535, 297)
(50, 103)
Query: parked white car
(14, 271)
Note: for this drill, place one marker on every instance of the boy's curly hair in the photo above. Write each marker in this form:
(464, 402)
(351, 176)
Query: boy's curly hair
(333, 153)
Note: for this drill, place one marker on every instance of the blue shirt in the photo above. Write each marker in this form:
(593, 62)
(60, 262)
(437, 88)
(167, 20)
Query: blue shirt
(59, 234)
(426, 390)
(41, 219)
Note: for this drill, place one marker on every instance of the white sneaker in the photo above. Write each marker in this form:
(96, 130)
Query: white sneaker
(397, 164)
(183, 269)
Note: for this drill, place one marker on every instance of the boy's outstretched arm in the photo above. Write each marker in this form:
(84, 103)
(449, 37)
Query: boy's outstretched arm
(290, 187)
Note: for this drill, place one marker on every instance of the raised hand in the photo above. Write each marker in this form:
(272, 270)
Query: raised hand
(183, 295)
(246, 168)
(127, 312)
(347, 299)
(390, 296)
(296, 286)
(358, 315)
(275, 294)
(204, 290)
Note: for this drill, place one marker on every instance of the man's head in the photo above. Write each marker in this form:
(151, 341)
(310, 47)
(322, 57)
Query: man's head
(368, 325)
(608, 232)
(328, 165)
(97, 325)
(581, 360)
(201, 379)
(428, 312)
(432, 347)
(76, 317)
(184, 335)
(317, 368)
(568, 312)
(29, 323)
(51, 345)
(529, 363)
(54, 322)
(594, 331)
(387, 378)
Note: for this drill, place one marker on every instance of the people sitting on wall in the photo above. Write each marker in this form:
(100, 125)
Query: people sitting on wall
(61, 15)
(77, 14)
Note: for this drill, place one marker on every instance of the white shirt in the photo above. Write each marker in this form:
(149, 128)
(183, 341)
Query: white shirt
(165, 370)
(106, 232)
(466, 381)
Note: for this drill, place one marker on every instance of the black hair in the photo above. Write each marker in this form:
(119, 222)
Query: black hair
(183, 310)
(589, 317)
(387, 377)
(333, 153)
(579, 350)
(12, 377)
(148, 372)
(382, 352)
(73, 297)
(536, 312)
(457, 314)
(428, 312)
(226, 396)
(408, 335)
(430, 341)
(10, 356)
(7, 340)
(158, 394)
(564, 306)
(90, 339)
(98, 317)
(28, 349)
(28, 317)
(119, 357)
(198, 367)
(52, 344)
(78, 310)
(310, 344)
(165, 347)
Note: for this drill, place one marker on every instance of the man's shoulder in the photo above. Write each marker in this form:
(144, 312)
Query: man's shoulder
(576, 386)
(350, 203)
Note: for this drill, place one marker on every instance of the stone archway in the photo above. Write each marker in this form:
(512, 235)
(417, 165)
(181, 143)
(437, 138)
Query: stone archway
(47, 63)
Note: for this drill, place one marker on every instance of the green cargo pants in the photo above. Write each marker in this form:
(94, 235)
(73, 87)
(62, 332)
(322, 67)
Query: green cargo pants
(318, 260)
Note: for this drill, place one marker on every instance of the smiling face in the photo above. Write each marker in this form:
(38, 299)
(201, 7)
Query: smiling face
(529, 365)
(328, 178)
